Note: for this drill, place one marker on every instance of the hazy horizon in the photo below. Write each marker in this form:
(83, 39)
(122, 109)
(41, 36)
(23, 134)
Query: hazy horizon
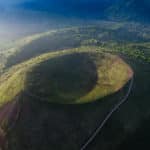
(23, 17)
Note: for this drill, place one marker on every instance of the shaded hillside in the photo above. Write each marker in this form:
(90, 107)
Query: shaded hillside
(41, 124)
(138, 139)
(75, 76)
(105, 34)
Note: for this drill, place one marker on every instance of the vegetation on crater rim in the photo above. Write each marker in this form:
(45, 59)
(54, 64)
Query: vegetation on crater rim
(108, 76)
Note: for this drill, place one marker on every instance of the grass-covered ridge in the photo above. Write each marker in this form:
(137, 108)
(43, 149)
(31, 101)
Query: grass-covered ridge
(120, 36)
(77, 75)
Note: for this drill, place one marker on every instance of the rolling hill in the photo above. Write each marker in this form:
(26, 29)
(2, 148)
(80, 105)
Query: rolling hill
(43, 75)
(120, 37)
(72, 76)
(50, 76)
(58, 86)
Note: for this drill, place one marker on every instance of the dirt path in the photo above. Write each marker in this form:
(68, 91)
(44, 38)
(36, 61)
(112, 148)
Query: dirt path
(116, 107)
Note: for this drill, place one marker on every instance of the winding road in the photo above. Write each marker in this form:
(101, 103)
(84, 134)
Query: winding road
(115, 108)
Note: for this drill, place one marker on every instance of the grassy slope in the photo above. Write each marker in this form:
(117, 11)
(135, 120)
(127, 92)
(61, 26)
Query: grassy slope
(137, 109)
(113, 73)
(102, 35)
